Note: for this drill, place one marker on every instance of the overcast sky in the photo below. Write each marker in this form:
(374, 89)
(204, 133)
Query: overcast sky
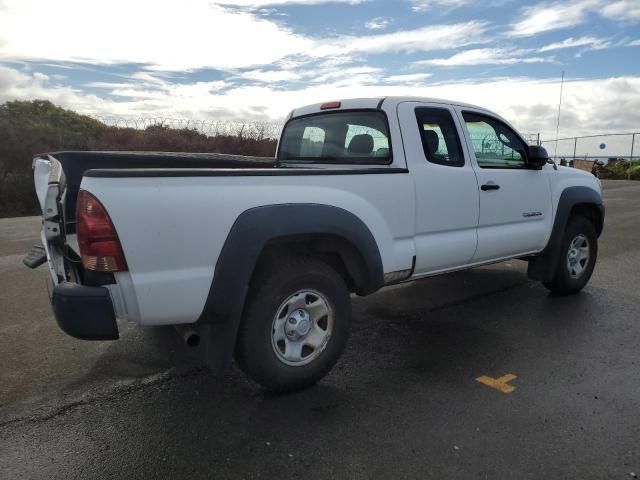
(258, 59)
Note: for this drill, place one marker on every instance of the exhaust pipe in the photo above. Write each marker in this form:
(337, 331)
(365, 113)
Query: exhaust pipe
(188, 334)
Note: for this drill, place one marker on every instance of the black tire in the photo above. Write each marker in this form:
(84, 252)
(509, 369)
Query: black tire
(275, 284)
(564, 283)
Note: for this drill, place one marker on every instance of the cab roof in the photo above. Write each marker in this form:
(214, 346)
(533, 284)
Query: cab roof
(386, 103)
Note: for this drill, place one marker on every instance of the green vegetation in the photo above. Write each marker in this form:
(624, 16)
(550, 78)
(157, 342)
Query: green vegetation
(28, 128)
(621, 170)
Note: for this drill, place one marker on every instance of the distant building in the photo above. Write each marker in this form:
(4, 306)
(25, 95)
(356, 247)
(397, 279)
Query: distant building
(583, 164)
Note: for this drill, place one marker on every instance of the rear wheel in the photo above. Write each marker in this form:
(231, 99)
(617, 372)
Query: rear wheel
(295, 325)
(577, 257)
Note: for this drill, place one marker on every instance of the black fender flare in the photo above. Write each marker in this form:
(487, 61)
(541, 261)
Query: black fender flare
(250, 233)
(542, 267)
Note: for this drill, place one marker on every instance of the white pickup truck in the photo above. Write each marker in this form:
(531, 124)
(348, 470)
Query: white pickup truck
(257, 258)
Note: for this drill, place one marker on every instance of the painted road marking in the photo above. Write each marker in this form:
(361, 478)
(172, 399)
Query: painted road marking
(501, 384)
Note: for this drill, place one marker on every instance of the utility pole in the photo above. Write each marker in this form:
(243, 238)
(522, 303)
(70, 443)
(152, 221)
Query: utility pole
(633, 140)
(555, 150)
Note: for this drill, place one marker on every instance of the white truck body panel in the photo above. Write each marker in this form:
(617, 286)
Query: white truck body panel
(445, 223)
(503, 229)
(173, 228)
(172, 239)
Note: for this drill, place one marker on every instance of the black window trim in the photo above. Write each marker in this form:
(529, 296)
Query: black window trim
(338, 162)
(455, 126)
(508, 127)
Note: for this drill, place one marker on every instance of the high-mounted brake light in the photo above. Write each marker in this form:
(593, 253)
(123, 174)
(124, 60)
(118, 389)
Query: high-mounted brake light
(329, 105)
(99, 244)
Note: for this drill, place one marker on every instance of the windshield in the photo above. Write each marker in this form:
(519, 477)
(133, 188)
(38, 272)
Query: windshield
(337, 137)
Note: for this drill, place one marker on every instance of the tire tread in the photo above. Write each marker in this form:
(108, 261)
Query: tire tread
(253, 356)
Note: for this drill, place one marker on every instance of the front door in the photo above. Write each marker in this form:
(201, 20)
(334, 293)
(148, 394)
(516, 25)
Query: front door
(445, 187)
(515, 201)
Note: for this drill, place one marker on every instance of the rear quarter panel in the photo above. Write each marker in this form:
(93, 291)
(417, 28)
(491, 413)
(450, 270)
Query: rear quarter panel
(172, 229)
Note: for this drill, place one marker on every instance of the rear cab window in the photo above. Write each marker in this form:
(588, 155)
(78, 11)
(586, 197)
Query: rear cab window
(359, 137)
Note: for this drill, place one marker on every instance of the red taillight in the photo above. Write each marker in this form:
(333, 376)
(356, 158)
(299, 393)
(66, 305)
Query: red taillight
(330, 105)
(99, 245)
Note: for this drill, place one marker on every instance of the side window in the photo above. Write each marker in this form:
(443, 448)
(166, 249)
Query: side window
(312, 142)
(439, 137)
(494, 143)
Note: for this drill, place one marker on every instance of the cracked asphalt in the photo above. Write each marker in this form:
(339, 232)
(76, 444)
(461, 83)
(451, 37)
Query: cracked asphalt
(402, 403)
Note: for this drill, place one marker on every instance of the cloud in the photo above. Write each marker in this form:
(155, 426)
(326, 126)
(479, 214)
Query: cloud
(107, 85)
(161, 34)
(273, 3)
(628, 10)
(484, 56)
(433, 37)
(551, 16)
(15, 85)
(407, 78)
(530, 104)
(205, 35)
(425, 5)
(378, 23)
(592, 42)
(342, 75)
(559, 15)
(270, 76)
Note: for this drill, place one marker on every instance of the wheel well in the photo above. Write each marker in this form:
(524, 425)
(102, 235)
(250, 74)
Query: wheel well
(591, 212)
(336, 251)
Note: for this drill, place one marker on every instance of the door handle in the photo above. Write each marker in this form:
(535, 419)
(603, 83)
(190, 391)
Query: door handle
(489, 186)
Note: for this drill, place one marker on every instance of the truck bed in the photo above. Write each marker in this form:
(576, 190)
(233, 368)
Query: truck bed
(76, 163)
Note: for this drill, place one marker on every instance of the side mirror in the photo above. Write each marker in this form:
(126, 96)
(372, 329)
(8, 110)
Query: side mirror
(537, 156)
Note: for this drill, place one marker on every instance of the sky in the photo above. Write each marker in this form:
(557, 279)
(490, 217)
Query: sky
(255, 60)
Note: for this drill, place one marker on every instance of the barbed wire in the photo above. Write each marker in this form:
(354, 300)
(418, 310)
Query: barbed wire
(254, 130)
(259, 130)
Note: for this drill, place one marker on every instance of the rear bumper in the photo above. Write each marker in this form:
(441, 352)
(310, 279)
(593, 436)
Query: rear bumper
(84, 312)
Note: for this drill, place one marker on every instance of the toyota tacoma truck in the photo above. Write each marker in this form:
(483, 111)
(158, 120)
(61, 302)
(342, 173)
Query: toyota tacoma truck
(257, 258)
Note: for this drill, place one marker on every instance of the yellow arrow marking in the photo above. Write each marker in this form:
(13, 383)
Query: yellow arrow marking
(501, 384)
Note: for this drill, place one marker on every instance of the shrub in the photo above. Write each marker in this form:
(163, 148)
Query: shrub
(28, 128)
(621, 170)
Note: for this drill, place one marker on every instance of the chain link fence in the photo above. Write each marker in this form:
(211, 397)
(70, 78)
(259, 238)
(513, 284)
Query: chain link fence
(611, 155)
(604, 148)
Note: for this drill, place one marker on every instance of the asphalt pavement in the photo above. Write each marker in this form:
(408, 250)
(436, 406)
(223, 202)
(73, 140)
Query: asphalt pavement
(404, 401)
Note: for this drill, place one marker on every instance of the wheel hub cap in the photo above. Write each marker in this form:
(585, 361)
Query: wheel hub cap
(301, 328)
(298, 325)
(578, 256)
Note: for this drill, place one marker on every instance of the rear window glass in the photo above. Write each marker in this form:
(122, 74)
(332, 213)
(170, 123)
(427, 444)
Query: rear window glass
(340, 137)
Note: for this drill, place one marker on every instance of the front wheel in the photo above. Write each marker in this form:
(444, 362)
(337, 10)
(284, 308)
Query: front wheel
(296, 324)
(577, 257)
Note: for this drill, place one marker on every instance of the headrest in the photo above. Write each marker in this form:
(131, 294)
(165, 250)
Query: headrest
(361, 144)
(431, 141)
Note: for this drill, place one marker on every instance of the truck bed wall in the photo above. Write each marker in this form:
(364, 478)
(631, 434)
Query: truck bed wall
(76, 163)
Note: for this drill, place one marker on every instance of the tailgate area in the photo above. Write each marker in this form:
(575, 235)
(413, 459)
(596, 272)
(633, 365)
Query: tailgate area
(84, 312)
